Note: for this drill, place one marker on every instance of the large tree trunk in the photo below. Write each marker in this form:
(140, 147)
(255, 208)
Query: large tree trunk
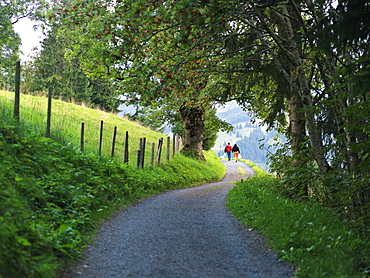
(193, 120)
(297, 132)
(297, 125)
(299, 82)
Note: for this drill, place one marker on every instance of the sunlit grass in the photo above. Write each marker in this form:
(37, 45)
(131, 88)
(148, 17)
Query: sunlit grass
(66, 121)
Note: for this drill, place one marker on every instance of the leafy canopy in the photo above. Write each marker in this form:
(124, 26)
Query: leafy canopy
(150, 49)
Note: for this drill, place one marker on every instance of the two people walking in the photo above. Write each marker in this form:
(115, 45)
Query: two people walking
(229, 149)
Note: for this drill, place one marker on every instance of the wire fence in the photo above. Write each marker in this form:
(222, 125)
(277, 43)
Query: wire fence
(157, 150)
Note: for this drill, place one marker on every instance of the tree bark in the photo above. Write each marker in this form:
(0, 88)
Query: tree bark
(193, 121)
(300, 83)
(297, 126)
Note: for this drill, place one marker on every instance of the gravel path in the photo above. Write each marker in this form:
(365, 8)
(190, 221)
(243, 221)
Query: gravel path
(181, 233)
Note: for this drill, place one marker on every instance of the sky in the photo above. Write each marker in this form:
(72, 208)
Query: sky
(30, 37)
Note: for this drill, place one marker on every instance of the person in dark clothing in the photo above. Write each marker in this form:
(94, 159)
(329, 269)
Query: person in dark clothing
(228, 150)
(236, 152)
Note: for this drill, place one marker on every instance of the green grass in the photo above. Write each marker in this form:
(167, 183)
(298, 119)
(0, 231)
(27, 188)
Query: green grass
(66, 119)
(313, 239)
(54, 197)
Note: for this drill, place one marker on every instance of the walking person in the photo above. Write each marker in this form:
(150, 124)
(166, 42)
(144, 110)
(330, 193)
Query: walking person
(236, 152)
(228, 150)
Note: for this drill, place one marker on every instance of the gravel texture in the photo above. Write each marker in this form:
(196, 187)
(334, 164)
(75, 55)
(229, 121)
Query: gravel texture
(181, 233)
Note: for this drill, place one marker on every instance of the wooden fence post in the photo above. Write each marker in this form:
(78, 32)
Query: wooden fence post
(101, 136)
(125, 152)
(173, 144)
(82, 139)
(168, 148)
(17, 90)
(139, 153)
(153, 151)
(114, 140)
(48, 116)
(178, 142)
(159, 150)
(143, 152)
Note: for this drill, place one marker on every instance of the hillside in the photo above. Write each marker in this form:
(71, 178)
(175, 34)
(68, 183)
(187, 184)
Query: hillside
(247, 135)
(66, 121)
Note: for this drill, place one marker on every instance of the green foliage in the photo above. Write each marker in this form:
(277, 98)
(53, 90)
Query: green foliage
(151, 118)
(147, 57)
(144, 49)
(52, 197)
(308, 235)
(347, 195)
(8, 52)
(67, 80)
(212, 126)
(10, 13)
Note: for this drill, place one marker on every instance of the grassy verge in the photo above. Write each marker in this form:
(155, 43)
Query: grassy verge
(53, 197)
(312, 238)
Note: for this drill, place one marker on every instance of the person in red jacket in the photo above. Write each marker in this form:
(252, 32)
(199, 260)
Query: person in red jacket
(228, 150)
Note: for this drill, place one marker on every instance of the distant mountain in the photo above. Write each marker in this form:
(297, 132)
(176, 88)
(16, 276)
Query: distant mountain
(248, 136)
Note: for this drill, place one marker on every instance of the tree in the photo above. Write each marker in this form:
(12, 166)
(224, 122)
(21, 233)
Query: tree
(50, 68)
(275, 69)
(302, 64)
(287, 61)
(144, 49)
(10, 13)
(212, 125)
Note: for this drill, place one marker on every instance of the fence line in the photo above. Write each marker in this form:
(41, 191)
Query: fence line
(155, 158)
(140, 156)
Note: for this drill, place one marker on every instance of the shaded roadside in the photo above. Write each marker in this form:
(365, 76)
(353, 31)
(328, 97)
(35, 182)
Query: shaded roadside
(181, 233)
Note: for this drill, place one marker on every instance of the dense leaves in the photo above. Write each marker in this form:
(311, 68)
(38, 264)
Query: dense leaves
(144, 48)
(48, 193)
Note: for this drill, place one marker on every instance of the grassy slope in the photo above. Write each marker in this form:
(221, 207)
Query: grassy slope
(53, 197)
(66, 125)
